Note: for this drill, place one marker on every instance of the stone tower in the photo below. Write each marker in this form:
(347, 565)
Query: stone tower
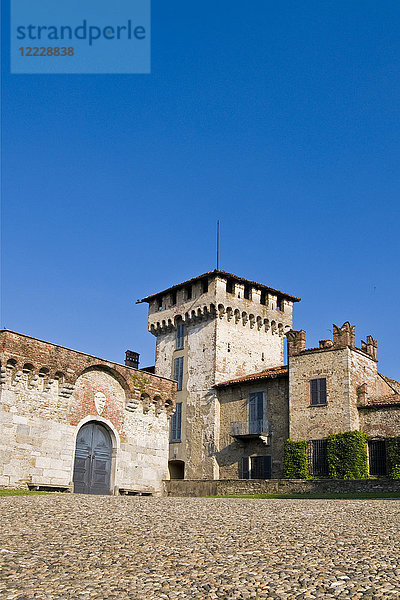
(209, 329)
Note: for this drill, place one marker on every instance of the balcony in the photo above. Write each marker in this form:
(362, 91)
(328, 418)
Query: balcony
(252, 429)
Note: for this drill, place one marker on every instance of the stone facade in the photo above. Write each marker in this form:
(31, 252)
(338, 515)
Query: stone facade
(235, 441)
(48, 393)
(221, 338)
(352, 379)
(233, 327)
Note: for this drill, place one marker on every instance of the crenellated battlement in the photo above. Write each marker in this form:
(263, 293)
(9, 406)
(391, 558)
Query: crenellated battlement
(223, 296)
(343, 337)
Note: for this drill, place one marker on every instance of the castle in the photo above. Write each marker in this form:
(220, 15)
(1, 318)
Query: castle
(218, 404)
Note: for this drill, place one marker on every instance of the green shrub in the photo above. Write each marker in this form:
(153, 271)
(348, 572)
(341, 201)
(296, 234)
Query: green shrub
(347, 455)
(295, 464)
(393, 457)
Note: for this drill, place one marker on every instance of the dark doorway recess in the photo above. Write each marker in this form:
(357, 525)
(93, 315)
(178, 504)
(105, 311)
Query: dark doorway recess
(176, 469)
(377, 457)
(93, 454)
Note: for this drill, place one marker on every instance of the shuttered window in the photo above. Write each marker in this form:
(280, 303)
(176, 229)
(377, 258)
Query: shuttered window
(318, 391)
(178, 371)
(255, 467)
(176, 423)
(256, 412)
(180, 336)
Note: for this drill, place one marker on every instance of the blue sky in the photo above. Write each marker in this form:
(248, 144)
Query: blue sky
(280, 119)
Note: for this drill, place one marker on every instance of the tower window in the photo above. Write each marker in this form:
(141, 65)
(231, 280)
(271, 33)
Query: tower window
(318, 391)
(247, 292)
(230, 286)
(263, 297)
(159, 303)
(180, 336)
(279, 303)
(204, 286)
(188, 291)
(178, 372)
(173, 298)
(176, 424)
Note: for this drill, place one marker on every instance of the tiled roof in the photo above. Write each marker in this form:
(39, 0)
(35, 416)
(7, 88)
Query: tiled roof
(272, 373)
(392, 400)
(216, 272)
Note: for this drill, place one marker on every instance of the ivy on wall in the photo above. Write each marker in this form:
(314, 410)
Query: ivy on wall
(347, 455)
(393, 457)
(295, 465)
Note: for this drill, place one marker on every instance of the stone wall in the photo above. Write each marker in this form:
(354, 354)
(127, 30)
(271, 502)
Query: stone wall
(351, 379)
(49, 392)
(278, 486)
(339, 414)
(380, 421)
(234, 401)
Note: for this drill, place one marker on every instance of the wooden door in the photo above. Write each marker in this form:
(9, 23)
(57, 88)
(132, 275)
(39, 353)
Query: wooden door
(93, 453)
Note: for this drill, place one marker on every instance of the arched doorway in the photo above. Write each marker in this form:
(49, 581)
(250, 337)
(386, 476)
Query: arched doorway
(176, 469)
(93, 455)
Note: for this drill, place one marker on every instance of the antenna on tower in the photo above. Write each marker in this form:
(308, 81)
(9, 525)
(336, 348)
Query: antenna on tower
(218, 245)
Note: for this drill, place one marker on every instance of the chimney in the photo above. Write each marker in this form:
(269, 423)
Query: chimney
(370, 347)
(344, 336)
(132, 359)
(296, 342)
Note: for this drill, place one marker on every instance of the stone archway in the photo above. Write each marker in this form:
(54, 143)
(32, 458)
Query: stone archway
(93, 459)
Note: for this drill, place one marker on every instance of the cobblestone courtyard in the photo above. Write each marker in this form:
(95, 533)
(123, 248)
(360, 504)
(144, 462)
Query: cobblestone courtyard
(84, 547)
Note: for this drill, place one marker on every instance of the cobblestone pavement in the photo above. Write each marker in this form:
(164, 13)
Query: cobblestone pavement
(60, 547)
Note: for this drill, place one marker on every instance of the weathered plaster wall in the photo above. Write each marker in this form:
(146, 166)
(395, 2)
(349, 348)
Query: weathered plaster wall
(234, 402)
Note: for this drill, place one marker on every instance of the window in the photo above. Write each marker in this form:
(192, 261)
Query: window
(263, 297)
(178, 371)
(204, 286)
(317, 458)
(230, 286)
(188, 291)
(256, 412)
(279, 303)
(180, 336)
(255, 467)
(173, 298)
(176, 423)
(247, 292)
(318, 391)
(159, 303)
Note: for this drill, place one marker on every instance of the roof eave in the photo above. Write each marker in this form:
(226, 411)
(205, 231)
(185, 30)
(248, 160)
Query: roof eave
(214, 273)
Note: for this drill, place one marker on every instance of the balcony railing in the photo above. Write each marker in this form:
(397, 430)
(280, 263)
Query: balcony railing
(250, 428)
